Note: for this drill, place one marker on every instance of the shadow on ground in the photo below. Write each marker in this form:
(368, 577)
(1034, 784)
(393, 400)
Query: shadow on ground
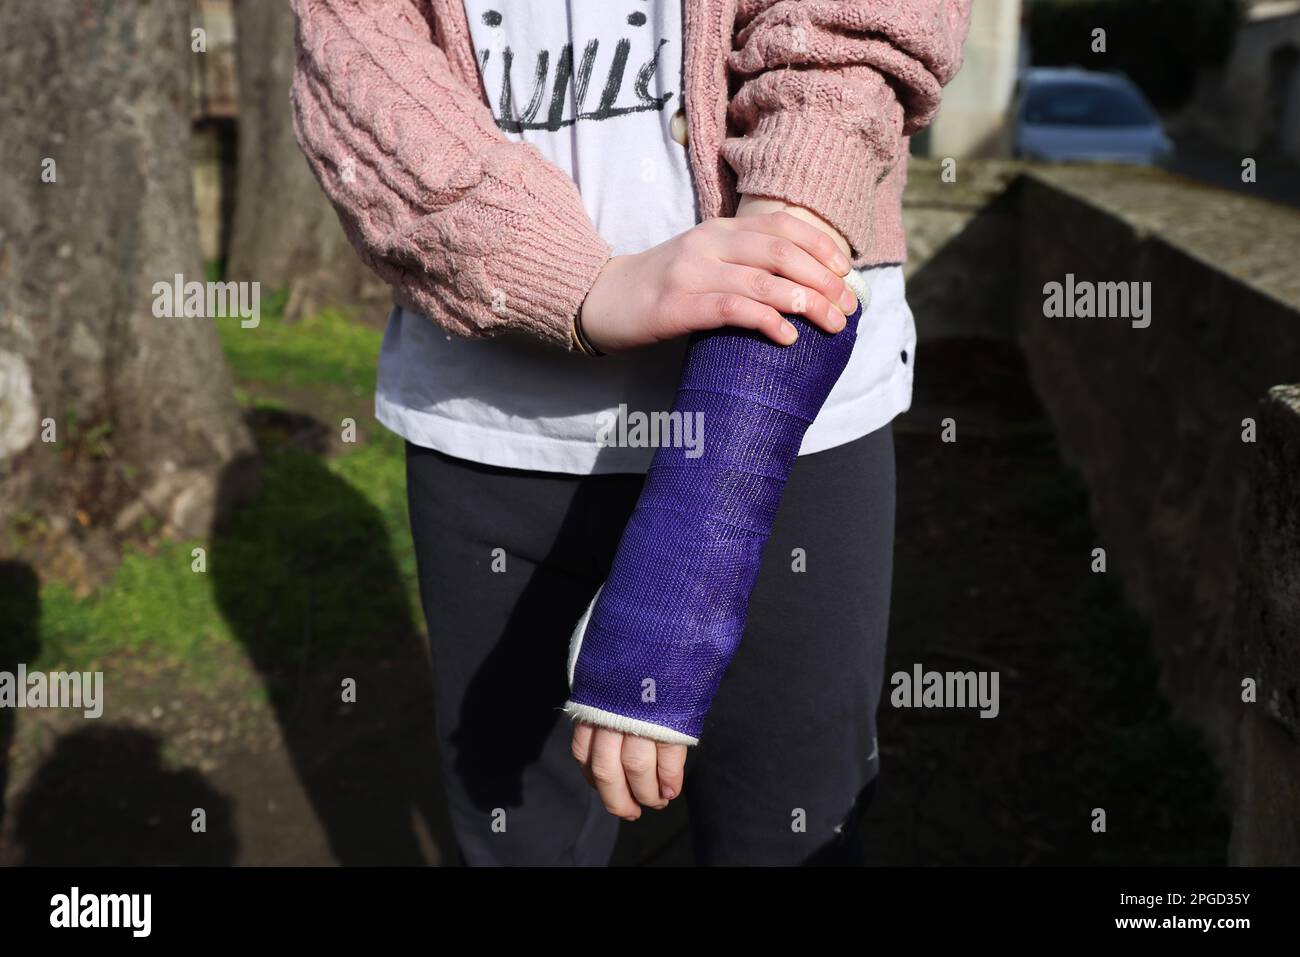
(305, 577)
(105, 797)
(993, 571)
(20, 641)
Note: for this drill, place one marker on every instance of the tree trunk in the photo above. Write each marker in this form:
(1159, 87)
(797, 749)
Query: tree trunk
(285, 231)
(112, 419)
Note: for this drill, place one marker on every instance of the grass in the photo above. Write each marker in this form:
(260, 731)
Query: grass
(327, 349)
(322, 552)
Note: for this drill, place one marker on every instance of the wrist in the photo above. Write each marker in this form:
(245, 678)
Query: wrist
(751, 205)
(578, 340)
(590, 322)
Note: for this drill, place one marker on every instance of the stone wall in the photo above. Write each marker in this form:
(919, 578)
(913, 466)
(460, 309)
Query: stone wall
(1159, 421)
(1266, 828)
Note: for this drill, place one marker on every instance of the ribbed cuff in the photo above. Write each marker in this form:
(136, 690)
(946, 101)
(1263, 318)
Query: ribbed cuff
(552, 261)
(811, 163)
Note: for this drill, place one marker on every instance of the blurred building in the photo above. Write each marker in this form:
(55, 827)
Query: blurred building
(214, 104)
(974, 115)
(215, 82)
(1252, 103)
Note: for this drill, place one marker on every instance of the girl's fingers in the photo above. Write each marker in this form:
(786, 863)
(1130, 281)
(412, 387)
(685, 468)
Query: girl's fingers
(652, 771)
(641, 765)
(782, 257)
(607, 772)
(581, 749)
(672, 769)
(803, 234)
(711, 310)
(781, 294)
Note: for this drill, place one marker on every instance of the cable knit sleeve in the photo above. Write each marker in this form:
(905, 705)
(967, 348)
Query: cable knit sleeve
(480, 233)
(829, 89)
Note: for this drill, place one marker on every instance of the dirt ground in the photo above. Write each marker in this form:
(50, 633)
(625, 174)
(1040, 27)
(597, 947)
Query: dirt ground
(992, 573)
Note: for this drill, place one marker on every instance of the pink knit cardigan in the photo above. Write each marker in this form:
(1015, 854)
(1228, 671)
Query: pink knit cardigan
(808, 101)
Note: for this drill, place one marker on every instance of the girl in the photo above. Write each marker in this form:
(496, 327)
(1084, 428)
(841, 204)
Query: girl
(575, 201)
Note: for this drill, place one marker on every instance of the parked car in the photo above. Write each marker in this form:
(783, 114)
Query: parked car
(1075, 115)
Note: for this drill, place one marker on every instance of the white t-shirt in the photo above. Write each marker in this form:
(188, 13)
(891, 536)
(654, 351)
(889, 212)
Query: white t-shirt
(594, 86)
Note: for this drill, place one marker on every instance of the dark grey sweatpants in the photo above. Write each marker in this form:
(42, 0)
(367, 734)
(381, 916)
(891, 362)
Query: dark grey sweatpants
(508, 561)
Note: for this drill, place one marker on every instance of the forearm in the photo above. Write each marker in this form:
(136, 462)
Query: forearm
(468, 226)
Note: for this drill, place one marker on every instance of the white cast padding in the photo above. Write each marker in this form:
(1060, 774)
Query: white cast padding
(861, 288)
(608, 719)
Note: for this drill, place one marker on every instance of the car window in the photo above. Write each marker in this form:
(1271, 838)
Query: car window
(1085, 104)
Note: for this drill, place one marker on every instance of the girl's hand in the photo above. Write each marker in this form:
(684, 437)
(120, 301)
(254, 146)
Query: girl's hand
(627, 771)
(744, 271)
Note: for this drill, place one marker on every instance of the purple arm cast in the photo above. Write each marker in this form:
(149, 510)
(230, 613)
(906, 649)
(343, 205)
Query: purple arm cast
(648, 655)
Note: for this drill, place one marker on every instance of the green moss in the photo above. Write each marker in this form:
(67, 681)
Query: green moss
(155, 606)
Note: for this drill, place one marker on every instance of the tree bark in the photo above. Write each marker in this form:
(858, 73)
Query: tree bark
(109, 414)
(285, 232)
